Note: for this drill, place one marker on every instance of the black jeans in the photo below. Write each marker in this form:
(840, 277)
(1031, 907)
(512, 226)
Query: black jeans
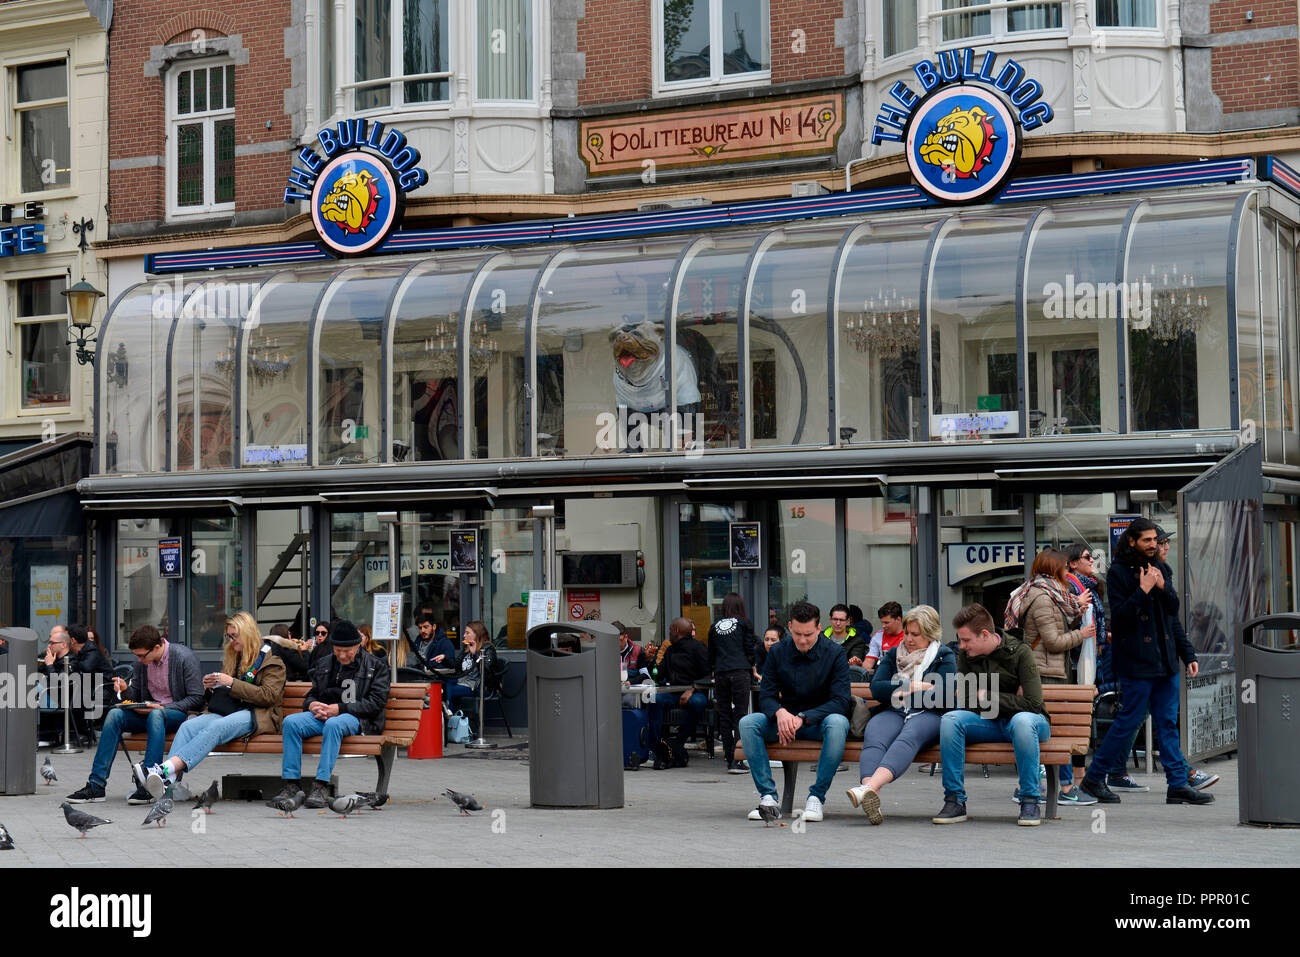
(731, 692)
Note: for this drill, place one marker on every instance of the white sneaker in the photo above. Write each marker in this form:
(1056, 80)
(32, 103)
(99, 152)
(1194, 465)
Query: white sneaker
(856, 794)
(768, 800)
(812, 811)
(775, 764)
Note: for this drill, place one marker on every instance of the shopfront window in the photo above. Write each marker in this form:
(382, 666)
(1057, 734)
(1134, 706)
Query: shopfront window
(358, 564)
(131, 363)
(789, 378)
(141, 592)
(215, 577)
(1072, 305)
(878, 330)
(500, 410)
(973, 313)
(276, 361)
(283, 563)
(880, 550)
(1178, 373)
(42, 581)
(601, 353)
(508, 541)
(704, 543)
(802, 561)
(428, 344)
(349, 387)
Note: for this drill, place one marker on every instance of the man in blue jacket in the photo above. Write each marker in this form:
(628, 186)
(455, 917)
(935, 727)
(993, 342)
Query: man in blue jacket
(806, 694)
(1146, 650)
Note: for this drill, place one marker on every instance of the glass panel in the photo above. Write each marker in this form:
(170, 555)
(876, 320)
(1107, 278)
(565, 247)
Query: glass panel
(801, 555)
(230, 87)
(42, 81)
(283, 571)
(1178, 378)
(973, 313)
(1045, 16)
(1290, 352)
(1272, 389)
(358, 564)
(962, 25)
(348, 348)
(973, 521)
(141, 594)
(36, 567)
(325, 19)
(708, 306)
(426, 369)
(217, 592)
(46, 157)
(200, 91)
(434, 591)
(46, 367)
(499, 414)
(131, 362)
(1249, 373)
(42, 297)
(373, 49)
(618, 525)
(183, 98)
(1126, 13)
(880, 554)
(505, 49)
(510, 536)
(275, 361)
(686, 40)
(189, 165)
(217, 88)
(878, 324)
(425, 36)
(600, 352)
(223, 132)
(787, 338)
(204, 359)
(1071, 304)
(899, 25)
(744, 37)
(704, 542)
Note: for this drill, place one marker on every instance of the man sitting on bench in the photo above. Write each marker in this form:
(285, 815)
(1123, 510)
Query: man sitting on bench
(349, 690)
(806, 694)
(1010, 699)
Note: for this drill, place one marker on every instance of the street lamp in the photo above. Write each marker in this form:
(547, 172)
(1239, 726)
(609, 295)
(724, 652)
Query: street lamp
(81, 310)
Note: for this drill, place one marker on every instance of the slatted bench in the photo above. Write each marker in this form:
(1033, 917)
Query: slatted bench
(1069, 710)
(401, 720)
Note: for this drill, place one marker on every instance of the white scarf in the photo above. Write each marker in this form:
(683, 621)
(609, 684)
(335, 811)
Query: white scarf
(911, 666)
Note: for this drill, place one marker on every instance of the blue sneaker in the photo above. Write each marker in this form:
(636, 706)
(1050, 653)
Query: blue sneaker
(1201, 780)
(1076, 796)
(1122, 782)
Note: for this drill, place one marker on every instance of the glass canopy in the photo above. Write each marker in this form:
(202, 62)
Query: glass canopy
(1115, 316)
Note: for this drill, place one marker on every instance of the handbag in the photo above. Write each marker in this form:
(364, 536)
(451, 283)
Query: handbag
(861, 715)
(458, 728)
(222, 702)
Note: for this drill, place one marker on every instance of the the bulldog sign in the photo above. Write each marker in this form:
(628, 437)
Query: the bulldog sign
(357, 190)
(962, 135)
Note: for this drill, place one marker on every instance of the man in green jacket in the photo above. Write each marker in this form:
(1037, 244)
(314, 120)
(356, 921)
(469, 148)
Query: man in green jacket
(1010, 701)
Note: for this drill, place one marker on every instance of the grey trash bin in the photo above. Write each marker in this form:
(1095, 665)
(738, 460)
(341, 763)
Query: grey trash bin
(575, 716)
(1268, 721)
(17, 720)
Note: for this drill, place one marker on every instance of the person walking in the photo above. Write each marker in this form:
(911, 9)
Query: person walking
(733, 652)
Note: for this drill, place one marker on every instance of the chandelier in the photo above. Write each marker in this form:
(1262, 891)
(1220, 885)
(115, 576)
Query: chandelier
(266, 360)
(440, 349)
(888, 325)
(1177, 309)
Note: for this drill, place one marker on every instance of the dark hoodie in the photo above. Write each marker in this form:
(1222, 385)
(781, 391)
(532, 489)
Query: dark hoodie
(1012, 665)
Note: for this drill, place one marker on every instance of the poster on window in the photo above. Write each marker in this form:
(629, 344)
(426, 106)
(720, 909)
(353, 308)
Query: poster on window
(49, 597)
(745, 549)
(464, 550)
(169, 558)
(386, 617)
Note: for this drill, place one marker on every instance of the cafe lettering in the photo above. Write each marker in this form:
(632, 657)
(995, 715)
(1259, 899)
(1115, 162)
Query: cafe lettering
(27, 238)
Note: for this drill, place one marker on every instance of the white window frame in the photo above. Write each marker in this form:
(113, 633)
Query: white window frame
(13, 128)
(534, 40)
(911, 52)
(395, 81)
(1158, 27)
(997, 11)
(208, 118)
(716, 77)
(12, 400)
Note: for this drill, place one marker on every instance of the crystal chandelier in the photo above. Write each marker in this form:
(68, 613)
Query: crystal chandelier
(888, 325)
(266, 360)
(1177, 309)
(440, 349)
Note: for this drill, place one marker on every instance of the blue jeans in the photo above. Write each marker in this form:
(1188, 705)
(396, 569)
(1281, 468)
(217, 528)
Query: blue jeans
(1024, 729)
(304, 724)
(665, 702)
(156, 724)
(453, 692)
(198, 736)
(1160, 695)
(757, 729)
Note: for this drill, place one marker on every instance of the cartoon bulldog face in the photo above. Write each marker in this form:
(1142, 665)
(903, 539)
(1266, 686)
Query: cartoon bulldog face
(962, 141)
(636, 351)
(352, 202)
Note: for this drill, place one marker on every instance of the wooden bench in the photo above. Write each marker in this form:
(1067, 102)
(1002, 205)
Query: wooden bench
(1069, 710)
(401, 720)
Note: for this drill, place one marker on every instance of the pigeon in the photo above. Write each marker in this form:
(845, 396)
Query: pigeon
(373, 799)
(161, 808)
(207, 798)
(47, 772)
(180, 792)
(286, 806)
(345, 804)
(465, 802)
(769, 813)
(6, 840)
(82, 821)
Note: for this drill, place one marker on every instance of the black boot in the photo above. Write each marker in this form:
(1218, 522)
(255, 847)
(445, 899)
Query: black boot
(663, 755)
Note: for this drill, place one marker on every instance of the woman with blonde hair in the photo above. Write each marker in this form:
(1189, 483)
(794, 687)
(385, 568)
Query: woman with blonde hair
(911, 684)
(243, 698)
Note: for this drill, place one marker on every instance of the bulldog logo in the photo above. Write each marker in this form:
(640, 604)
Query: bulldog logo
(962, 141)
(352, 203)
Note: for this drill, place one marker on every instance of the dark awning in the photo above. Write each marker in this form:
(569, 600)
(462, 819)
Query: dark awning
(38, 488)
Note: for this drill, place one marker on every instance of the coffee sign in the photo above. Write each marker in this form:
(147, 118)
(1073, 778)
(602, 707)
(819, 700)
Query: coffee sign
(729, 134)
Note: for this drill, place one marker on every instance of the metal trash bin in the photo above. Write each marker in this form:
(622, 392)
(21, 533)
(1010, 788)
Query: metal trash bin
(575, 715)
(17, 720)
(1268, 722)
